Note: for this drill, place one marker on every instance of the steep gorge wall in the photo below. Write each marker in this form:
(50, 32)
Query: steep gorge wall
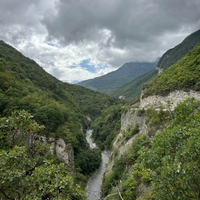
(121, 145)
(131, 117)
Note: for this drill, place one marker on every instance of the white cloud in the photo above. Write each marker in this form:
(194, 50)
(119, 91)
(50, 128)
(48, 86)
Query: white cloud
(59, 34)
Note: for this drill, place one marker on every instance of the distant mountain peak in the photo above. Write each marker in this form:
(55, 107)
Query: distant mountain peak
(115, 79)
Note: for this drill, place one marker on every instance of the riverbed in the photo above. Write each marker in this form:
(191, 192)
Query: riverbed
(93, 189)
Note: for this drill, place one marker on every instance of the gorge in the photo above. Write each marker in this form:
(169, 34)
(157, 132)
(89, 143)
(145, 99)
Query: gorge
(93, 189)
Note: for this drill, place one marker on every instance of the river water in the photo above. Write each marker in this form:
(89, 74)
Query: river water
(93, 189)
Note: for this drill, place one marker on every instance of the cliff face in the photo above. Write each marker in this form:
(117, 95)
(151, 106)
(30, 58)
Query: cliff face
(122, 146)
(148, 125)
(174, 97)
(128, 120)
(131, 117)
(63, 152)
(160, 70)
(57, 147)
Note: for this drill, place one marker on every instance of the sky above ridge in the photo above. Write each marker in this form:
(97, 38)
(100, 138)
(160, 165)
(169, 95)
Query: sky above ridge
(75, 40)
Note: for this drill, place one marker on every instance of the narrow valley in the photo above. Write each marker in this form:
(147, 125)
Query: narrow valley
(93, 189)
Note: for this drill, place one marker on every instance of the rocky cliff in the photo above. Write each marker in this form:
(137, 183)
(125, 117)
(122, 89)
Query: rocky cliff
(174, 97)
(150, 119)
(134, 115)
(57, 147)
(128, 121)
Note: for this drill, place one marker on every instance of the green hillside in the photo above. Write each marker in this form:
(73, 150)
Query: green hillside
(173, 55)
(132, 89)
(115, 79)
(61, 107)
(183, 75)
(22, 77)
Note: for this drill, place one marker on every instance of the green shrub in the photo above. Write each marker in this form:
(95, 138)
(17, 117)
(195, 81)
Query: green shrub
(140, 112)
(139, 174)
(135, 129)
(175, 155)
(127, 135)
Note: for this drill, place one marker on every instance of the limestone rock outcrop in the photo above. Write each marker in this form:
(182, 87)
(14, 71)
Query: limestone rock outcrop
(174, 97)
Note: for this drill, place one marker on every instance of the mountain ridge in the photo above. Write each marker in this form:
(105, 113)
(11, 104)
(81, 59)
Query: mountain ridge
(172, 55)
(132, 90)
(119, 77)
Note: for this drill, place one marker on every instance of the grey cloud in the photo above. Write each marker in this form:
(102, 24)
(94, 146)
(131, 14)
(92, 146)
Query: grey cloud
(111, 32)
(130, 21)
(14, 12)
(20, 19)
(57, 72)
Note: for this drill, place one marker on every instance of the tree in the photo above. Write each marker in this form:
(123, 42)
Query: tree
(49, 115)
(175, 155)
(17, 127)
(21, 175)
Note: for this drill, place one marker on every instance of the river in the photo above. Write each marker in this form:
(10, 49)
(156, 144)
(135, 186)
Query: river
(93, 189)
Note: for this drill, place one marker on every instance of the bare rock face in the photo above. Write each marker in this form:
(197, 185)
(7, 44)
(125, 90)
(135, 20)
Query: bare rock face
(174, 97)
(130, 118)
(63, 153)
(58, 147)
(143, 190)
(160, 70)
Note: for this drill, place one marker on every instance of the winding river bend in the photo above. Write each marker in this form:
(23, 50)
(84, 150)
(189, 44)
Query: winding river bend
(93, 189)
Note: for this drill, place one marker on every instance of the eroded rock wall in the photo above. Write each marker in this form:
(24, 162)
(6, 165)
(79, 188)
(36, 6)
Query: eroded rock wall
(128, 119)
(131, 117)
(174, 97)
(57, 147)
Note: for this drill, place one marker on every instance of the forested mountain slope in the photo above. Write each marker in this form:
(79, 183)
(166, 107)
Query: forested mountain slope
(132, 89)
(173, 55)
(115, 79)
(61, 107)
(183, 75)
(20, 72)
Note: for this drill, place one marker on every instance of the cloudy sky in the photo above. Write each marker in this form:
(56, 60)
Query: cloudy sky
(76, 40)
